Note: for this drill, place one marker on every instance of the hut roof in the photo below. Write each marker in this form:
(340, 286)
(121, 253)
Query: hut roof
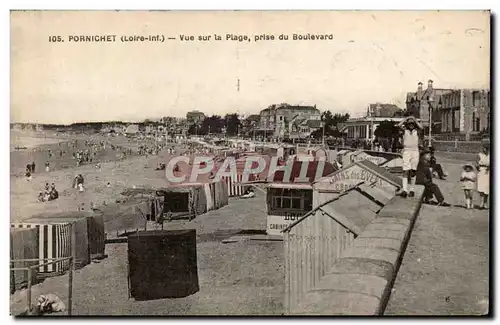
(353, 209)
(311, 171)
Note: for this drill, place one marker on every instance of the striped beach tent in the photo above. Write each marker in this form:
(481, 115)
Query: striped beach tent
(54, 241)
(233, 189)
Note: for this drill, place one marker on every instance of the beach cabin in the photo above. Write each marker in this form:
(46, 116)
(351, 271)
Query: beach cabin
(186, 200)
(315, 241)
(288, 200)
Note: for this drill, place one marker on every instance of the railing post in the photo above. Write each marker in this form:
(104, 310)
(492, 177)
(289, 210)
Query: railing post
(70, 285)
(72, 268)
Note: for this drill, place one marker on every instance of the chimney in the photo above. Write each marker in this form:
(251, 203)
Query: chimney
(429, 84)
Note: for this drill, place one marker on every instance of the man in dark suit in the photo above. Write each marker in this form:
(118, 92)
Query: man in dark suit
(424, 177)
(435, 166)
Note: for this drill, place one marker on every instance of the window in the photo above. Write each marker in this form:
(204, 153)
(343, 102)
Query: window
(474, 122)
(475, 98)
(281, 200)
(456, 120)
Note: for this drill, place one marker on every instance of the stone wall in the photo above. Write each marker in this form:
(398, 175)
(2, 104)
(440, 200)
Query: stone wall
(361, 280)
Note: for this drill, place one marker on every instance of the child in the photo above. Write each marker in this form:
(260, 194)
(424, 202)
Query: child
(468, 180)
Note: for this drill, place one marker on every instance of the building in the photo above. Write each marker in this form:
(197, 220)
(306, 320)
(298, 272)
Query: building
(195, 117)
(250, 124)
(382, 110)
(361, 128)
(465, 111)
(285, 120)
(421, 102)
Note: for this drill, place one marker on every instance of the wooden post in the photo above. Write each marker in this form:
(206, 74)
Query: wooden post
(71, 268)
(28, 294)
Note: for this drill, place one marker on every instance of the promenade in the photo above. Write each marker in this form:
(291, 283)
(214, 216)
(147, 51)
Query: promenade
(445, 270)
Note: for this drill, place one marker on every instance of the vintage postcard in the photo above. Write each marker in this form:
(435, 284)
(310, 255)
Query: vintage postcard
(221, 163)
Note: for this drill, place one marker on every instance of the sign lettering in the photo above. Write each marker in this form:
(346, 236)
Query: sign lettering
(349, 177)
(279, 221)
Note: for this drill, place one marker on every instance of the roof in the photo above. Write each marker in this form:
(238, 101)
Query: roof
(311, 171)
(383, 110)
(345, 209)
(314, 123)
(302, 186)
(299, 120)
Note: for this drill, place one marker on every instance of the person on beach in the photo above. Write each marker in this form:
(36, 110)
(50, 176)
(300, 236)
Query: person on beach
(47, 166)
(468, 183)
(33, 167)
(79, 182)
(54, 194)
(483, 175)
(410, 154)
(28, 174)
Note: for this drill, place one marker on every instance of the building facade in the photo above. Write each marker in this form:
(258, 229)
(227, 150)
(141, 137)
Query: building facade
(465, 111)
(422, 102)
(284, 120)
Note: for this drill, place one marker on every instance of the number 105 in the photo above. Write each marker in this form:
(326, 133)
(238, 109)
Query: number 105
(55, 39)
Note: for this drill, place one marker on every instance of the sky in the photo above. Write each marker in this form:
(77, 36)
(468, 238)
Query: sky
(374, 56)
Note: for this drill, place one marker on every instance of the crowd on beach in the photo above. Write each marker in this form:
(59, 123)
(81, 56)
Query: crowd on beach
(84, 152)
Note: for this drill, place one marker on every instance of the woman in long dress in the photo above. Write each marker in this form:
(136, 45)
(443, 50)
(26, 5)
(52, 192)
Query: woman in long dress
(483, 175)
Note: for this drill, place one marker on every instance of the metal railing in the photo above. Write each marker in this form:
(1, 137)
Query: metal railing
(50, 261)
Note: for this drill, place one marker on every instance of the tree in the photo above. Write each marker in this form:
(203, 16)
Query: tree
(233, 124)
(331, 124)
(387, 130)
(212, 124)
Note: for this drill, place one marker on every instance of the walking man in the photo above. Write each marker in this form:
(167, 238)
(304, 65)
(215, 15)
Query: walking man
(410, 154)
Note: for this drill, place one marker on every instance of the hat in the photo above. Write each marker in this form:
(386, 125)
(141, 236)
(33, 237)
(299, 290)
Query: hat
(424, 151)
(410, 119)
(468, 165)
